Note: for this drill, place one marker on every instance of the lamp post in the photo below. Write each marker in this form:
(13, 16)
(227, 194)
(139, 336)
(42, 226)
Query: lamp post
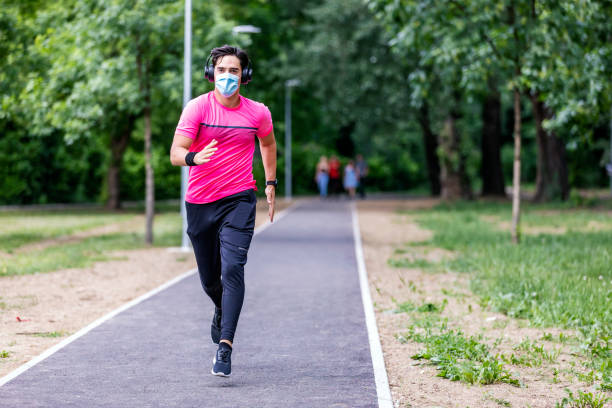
(246, 29)
(186, 98)
(288, 85)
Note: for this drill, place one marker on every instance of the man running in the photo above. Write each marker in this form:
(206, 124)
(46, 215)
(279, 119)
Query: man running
(215, 136)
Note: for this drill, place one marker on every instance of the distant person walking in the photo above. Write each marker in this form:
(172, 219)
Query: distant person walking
(335, 184)
(362, 174)
(350, 179)
(214, 137)
(322, 176)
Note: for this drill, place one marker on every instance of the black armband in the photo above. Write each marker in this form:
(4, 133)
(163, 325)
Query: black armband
(189, 158)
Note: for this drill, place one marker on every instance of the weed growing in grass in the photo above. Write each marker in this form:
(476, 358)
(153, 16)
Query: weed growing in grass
(50, 334)
(433, 307)
(411, 263)
(499, 401)
(531, 354)
(404, 307)
(414, 260)
(561, 338)
(456, 357)
(429, 321)
(459, 358)
(426, 307)
(412, 286)
(453, 293)
(537, 351)
(583, 400)
(520, 360)
(502, 402)
(500, 323)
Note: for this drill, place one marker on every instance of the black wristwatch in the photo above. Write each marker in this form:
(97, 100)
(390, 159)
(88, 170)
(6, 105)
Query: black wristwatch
(272, 183)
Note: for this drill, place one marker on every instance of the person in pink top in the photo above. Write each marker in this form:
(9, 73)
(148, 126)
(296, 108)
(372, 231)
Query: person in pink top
(215, 137)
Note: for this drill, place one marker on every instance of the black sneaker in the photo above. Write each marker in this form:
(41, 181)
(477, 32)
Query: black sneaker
(215, 327)
(222, 362)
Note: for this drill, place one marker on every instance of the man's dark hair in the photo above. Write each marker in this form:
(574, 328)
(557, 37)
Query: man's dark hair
(220, 52)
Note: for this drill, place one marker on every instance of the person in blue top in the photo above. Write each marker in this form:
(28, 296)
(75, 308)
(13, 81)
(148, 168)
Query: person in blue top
(322, 176)
(350, 179)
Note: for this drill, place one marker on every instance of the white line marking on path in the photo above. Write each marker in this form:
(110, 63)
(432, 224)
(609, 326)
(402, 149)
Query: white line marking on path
(50, 351)
(378, 361)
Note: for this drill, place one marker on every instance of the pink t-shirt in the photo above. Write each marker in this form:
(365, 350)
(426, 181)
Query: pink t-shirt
(230, 169)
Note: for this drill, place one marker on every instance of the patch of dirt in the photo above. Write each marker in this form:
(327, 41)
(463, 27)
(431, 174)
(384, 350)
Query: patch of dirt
(591, 226)
(54, 305)
(397, 205)
(415, 253)
(414, 383)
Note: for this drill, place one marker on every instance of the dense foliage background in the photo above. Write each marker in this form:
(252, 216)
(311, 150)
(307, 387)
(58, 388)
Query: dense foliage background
(414, 86)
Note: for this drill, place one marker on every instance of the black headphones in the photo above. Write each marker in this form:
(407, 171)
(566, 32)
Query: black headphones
(209, 71)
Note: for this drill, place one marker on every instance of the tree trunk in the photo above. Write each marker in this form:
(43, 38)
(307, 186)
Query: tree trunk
(491, 166)
(118, 144)
(453, 176)
(450, 176)
(552, 174)
(145, 90)
(430, 141)
(516, 177)
(344, 144)
(149, 177)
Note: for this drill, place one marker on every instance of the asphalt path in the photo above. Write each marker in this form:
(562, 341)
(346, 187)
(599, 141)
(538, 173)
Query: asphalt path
(301, 339)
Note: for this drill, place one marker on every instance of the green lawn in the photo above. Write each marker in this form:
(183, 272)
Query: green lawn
(551, 279)
(20, 228)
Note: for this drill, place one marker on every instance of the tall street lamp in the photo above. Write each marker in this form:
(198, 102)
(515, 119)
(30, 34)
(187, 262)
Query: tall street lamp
(288, 85)
(246, 29)
(186, 98)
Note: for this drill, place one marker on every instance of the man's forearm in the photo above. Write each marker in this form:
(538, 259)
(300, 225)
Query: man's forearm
(177, 155)
(268, 156)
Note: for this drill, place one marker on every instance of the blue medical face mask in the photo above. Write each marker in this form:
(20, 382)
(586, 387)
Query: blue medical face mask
(226, 83)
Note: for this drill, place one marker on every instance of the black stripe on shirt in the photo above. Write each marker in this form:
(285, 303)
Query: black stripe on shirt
(232, 127)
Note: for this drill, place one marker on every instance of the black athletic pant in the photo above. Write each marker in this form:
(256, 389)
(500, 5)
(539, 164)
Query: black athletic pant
(221, 233)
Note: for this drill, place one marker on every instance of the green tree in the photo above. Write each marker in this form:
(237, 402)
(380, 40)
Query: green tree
(446, 63)
(525, 39)
(360, 85)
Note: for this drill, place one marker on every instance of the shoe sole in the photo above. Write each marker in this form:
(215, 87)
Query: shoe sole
(219, 374)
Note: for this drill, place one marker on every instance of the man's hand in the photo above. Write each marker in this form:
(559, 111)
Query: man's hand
(204, 155)
(270, 193)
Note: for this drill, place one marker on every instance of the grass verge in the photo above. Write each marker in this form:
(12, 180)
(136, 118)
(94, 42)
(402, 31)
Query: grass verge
(24, 227)
(562, 280)
(167, 232)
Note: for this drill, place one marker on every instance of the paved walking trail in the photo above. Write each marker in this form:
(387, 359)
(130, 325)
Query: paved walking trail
(301, 339)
